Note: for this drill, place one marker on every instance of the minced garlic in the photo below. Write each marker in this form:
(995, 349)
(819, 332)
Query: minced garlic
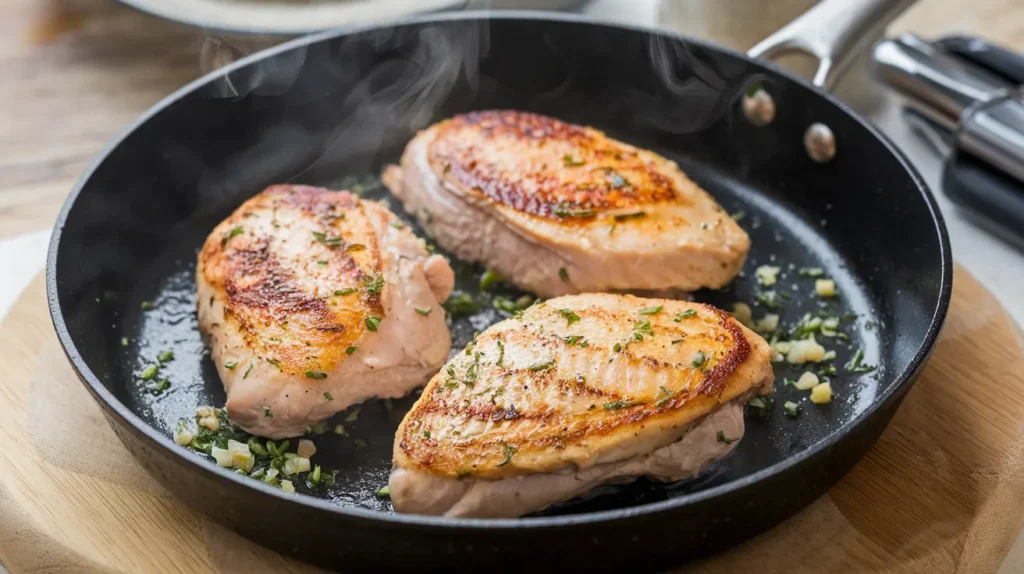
(222, 456)
(807, 381)
(306, 448)
(821, 394)
(183, 436)
(767, 275)
(767, 324)
(825, 287)
(804, 351)
(743, 314)
(287, 486)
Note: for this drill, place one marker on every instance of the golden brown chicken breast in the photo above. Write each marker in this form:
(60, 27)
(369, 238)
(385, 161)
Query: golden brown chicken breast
(579, 391)
(314, 300)
(557, 208)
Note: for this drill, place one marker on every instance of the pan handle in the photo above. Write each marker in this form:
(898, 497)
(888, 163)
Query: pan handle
(833, 31)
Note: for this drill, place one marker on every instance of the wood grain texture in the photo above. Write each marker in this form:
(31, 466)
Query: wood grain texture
(940, 492)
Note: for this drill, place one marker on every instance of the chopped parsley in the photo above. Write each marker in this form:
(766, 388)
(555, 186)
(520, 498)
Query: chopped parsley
(788, 382)
(563, 275)
(246, 375)
(461, 304)
(663, 400)
(330, 241)
(230, 365)
(739, 215)
(351, 349)
(423, 311)
(792, 409)
(373, 286)
(149, 372)
(353, 416)
(813, 272)
(426, 434)
(541, 366)
(328, 396)
(227, 236)
(566, 210)
(620, 404)
(315, 375)
(617, 347)
(569, 315)
(489, 279)
(699, 359)
(321, 262)
(274, 362)
(372, 322)
(677, 341)
(510, 451)
(721, 438)
(642, 328)
(856, 364)
(343, 292)
(384, 492)
(570, 161)
(761, 404)
(651, 310)
(572, 339)
(685, 315)
(267, 413)
(501, 354)
(165, 356)
(627, 216)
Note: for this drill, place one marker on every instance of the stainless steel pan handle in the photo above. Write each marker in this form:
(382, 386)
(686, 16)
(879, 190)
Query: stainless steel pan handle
(834, 32)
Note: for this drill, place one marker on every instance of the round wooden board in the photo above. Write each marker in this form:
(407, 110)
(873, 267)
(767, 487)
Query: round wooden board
(940, 492)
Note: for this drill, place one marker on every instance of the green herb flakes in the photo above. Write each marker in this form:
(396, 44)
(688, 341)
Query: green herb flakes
(792, 409)
(339, 430)
(124, 341)
(627, 216)
(769, 299)
(489, 279)
(247, 371)
(165, 356)
(616, 405)
(315, 375)
(426, 434)
(372, 322)
(344, 292)
(541, 366)
(274, 362)
(353, 416)
(147, 306)
(569, 315)
(722, 438)
(651, 310)
(563, 274)
(384, 492)
(374, 285)
(812, 272)
(501, 354)
(460, 305)
(699, 359)
(510, 451)
(149, 372)
(267, 413)
(423, 311)
(856, 364)
(570, 161)
(352, 349)
(233, 232)
(685, 315)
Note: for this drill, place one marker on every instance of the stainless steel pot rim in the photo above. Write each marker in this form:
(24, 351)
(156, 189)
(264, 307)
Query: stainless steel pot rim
(276, 18)
(893, 393)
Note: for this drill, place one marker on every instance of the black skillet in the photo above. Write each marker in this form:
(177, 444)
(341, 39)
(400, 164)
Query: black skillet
(333, 109)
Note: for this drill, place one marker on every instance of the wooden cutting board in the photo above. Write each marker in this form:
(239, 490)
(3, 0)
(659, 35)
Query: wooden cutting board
(942, 490)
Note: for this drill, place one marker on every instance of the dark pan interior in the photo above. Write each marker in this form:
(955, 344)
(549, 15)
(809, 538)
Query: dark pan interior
(334, 112)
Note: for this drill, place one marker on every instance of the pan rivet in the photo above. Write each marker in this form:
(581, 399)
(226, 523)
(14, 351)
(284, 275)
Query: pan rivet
(820, 143)
(759, 108)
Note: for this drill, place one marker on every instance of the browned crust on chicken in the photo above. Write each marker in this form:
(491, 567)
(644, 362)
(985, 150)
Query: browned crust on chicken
(284, 321)
(546, 167)
(591, 415)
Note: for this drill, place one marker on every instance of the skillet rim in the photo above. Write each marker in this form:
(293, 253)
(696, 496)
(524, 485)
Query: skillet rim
(902, 380)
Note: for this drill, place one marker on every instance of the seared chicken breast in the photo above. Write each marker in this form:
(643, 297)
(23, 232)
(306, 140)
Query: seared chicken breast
(314, 300)
(579, 391)
(557, 208)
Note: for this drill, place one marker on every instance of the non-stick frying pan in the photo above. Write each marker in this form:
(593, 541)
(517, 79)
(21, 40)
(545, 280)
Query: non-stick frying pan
(333, 109)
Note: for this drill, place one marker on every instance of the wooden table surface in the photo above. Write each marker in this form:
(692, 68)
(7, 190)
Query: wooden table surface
(74, 73)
